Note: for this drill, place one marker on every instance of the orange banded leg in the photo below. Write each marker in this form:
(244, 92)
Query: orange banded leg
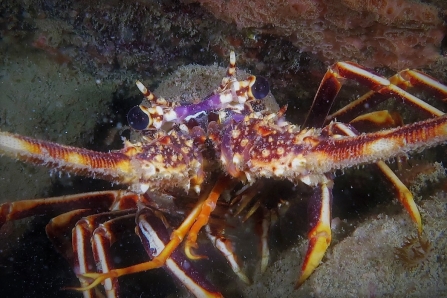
(59, 231)
(215, 231)
(153, 234)
(377, 120)
(159, 260)
(404, 79)
(73, 208)
(319, 213)
(90, 247)
(381, 88)
(374, 120)
(226, 248)
(99, 201)
(403, 194)
(152, 230)
(202, 219)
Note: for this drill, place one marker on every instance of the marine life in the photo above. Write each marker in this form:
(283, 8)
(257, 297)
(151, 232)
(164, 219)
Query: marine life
(414, 251)
(202, 149)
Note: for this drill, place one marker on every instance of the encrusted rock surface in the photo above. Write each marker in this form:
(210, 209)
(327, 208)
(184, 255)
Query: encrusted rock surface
(393, 33)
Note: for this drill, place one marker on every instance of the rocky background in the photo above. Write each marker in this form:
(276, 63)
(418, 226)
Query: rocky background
(67, 73)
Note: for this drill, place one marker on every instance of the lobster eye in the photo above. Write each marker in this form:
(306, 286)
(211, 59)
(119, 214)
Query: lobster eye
(138, 119)
(260, 88)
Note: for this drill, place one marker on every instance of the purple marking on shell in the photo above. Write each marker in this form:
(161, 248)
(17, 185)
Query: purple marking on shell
(210, 103)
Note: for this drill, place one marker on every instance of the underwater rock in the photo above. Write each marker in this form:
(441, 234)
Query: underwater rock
(393, 33)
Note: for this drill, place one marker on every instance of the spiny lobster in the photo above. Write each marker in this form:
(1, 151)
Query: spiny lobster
(208, 147)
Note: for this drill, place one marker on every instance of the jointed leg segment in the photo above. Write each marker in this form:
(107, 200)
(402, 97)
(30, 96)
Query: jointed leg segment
(319, 235)
(200, 211)
(381, 89)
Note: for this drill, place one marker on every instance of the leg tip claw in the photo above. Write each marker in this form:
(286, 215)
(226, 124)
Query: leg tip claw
(96, 277)
(190, 253)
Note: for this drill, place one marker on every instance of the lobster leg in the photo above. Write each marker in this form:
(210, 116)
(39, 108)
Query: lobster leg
(225, 246)
(160, 259)
(403, 80)
(59, 229)
(99, 201)
(376, 120)
(73, 208)
(154, 236)
(215, 231)
(245, 196)
(262, 221)
(204, 215)
(381, 88)
(95, 252)
(262, 217)
(319, 213)
(263, 228)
